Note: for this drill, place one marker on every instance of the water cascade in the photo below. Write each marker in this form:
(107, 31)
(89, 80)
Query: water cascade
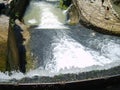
(61, 49)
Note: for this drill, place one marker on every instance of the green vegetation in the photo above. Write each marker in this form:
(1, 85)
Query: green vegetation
(64, 4)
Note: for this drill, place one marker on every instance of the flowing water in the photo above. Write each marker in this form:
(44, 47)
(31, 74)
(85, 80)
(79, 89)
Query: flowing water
(59, 48)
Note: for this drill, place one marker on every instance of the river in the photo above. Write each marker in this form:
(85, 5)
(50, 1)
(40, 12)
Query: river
(59, 48)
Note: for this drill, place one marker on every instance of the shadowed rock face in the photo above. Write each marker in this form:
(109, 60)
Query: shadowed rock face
(67, 2)
(116, 6)
(16, 49)
(117, 2)
(2, 6)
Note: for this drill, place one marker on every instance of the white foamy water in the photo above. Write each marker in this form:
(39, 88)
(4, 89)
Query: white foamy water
(109, 50)
(69, 54)
(49, 16)
(5, 77)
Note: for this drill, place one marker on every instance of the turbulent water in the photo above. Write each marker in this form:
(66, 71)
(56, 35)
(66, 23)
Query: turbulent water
(59, 48)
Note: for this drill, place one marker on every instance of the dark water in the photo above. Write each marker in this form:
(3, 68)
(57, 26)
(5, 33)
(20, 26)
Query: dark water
(48, 45)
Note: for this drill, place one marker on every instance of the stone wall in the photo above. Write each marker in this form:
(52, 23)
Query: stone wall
(16, 48)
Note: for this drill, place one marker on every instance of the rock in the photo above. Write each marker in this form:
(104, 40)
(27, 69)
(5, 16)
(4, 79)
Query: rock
(25, 32)
(73, 15)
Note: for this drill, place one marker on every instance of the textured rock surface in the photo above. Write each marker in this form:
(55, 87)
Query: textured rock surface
(93, 14)
(116, 6)
(4, 23)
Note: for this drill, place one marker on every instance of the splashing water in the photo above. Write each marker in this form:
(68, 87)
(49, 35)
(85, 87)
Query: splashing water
(49, 16)
(61, 52)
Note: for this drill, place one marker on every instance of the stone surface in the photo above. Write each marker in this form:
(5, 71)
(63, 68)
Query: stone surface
(4, 22)
(96, 14)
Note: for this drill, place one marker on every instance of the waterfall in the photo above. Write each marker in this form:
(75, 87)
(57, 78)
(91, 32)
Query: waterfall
(62, 49)
(45, 16)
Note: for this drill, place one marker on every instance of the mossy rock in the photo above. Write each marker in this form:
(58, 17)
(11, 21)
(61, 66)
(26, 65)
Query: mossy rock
(64, 4)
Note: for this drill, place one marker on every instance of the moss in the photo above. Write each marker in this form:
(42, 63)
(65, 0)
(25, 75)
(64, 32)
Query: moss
(62, 6)
(12, 23)
(17, 14)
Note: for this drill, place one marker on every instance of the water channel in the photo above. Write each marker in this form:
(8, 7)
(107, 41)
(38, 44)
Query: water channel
(59, 48)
